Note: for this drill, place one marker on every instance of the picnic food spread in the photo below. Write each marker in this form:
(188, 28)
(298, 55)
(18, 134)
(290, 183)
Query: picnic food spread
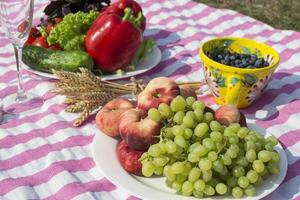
(160, 128)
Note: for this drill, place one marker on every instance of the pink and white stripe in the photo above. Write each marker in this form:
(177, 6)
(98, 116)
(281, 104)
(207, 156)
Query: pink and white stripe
(43, 157)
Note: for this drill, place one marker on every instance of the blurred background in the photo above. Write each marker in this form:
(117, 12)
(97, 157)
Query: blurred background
(281, 14)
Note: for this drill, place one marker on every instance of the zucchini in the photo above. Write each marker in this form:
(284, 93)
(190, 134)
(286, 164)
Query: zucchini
(46, 60)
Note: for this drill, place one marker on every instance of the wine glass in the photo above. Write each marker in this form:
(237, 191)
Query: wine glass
(16, 20)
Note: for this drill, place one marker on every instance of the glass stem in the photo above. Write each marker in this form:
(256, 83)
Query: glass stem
(21, 96)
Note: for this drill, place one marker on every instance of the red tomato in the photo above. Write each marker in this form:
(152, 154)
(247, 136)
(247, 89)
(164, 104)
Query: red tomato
(34, 33)
(41, 42)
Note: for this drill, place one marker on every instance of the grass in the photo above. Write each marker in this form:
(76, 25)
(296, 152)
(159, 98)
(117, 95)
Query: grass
(282, 14)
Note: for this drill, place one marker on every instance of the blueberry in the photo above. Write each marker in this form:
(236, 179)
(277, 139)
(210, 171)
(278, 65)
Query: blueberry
(223, 61)
(244, 62)
(237, 62)
(266, 63)
(258, 63)
(231, 63)
(220, 56)
(226, 58)
(243, 56)
(253, 56)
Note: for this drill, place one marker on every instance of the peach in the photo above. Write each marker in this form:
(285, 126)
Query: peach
(108, 118)
(158, 90)
(137, 131)
(129, 158)
(228, 114)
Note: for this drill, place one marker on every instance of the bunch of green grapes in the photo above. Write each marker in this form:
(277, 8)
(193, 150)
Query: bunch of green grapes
(200, 157)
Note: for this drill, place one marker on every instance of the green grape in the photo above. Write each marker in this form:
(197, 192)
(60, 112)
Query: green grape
(209, 190)
(215, 126)
(199, 115)
(176, 185)
(235, 127)
(216, 136)
(187, 169)
(243, 132)
(250, 145)
(178, 117)
(178, 130)
(158, 170)
(181, 178)
(219, 146)
(199, 185)
(154, 150)
(198, 194)
(209, 144)
(191, 114)
(154, 114)
(208, 117)
(273, 167)
(168, 173)
(237, 192)
(231, 153)
(232, 181)
(213, 182)
(228, 132)
(238, 171)
(190, 100)
(252, 176)
(148, 169)
(177, 167)
(226, 159)
(188, 121)
(251, 137)
(198, 105)
(233, 139)
(193, 146)
(218, 165)
(212, 156)
(205, 164)
(180, 141)
(162, 147)
(258, 166)
(167, 132)
(206, 175)
(264, 156)
(251, 155)
(201, 130)
(234, 147)
(171, 147)
(242, 161)
(165, 111)
(259, 181)
(221, 188)
(258, 146)
(187, 188)
(160, 161)
(250, 191)
(194, 174)
(193, 157)
(188, 133)
(269, 146)
(275, 156)
(272, 139)
(178, 104)
(243, 182)
(168, 183)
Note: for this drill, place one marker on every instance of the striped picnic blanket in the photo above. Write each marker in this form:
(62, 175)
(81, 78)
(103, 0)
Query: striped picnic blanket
(42, 156)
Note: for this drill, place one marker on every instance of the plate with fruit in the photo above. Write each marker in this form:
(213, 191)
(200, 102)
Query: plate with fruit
(107, 39)
(171, 146)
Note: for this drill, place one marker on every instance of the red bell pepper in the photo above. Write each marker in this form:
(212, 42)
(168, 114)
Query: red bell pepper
(112, 40)
(119, 7)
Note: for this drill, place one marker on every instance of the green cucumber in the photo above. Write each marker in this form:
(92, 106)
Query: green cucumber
(46, 60)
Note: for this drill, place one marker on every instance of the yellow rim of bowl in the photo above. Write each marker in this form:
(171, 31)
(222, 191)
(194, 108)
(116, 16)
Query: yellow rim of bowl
(240, 70)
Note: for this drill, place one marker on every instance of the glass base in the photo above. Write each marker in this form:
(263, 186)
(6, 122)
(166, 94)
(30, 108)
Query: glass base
(15, 105)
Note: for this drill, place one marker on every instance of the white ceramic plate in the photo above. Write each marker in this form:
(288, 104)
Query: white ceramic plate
(104, 153)
(152, 59)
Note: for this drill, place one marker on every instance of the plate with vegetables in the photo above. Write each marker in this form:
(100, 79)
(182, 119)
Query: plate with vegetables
(106, 38)
(172, 146)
